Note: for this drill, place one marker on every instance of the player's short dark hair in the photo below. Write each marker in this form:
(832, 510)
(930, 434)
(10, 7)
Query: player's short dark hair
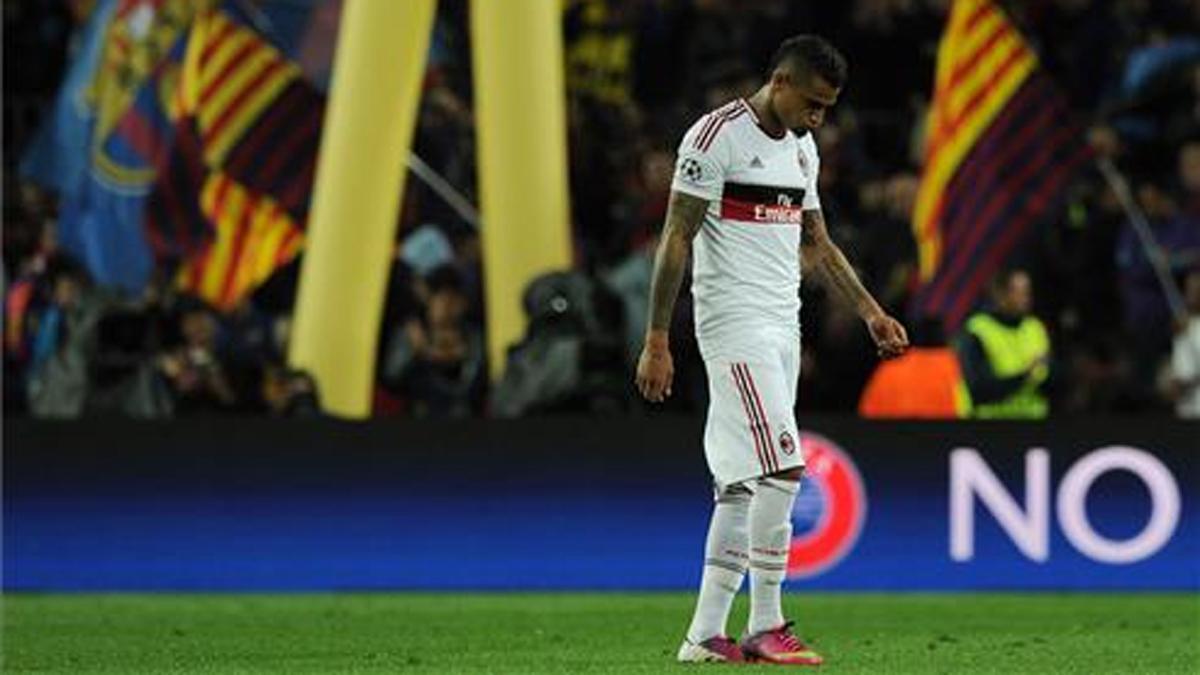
(814, 55)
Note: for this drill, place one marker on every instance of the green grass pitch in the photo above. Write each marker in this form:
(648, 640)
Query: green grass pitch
(587, 633)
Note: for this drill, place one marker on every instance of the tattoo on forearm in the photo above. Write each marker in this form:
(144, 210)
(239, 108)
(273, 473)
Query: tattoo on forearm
(836, 271)
(685, 214)
(839, 274)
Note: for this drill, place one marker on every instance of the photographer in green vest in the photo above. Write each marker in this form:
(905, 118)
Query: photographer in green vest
(1005, 353)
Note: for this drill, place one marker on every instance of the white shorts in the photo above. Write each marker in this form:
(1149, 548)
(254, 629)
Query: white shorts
(751, 429)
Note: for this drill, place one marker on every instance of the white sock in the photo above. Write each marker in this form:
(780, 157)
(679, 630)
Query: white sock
(725, 554)
(770, 539)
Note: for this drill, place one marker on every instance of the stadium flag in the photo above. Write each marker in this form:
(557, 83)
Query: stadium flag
(57, 155)
(113, 119)
(233, 195)
(1000, 149)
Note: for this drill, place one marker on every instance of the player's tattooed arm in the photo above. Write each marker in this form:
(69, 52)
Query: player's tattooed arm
(685, 214)
(808, 261)
(656, 369)
(824, 257)
(820, 254)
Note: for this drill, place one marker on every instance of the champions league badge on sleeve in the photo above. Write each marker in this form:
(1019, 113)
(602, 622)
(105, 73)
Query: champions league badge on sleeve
(830, 509)
(691, 170)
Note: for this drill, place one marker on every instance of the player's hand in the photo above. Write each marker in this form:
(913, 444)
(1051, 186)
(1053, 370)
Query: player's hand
(889, 335)
(655, 369)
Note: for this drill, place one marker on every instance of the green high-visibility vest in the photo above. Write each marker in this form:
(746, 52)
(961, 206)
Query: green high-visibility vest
(1011, 351)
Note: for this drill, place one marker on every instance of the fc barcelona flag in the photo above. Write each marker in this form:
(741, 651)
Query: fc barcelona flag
(110, 127)
(1000, 150)
(232, 197)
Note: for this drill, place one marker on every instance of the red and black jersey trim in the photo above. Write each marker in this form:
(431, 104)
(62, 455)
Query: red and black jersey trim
(768, 204)
(758, 123)
(716, 120)
(753, 423)
(763, 194)
(756, 417)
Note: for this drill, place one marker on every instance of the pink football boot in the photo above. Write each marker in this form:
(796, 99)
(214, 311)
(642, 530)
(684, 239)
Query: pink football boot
(719, 649)
(780, 646)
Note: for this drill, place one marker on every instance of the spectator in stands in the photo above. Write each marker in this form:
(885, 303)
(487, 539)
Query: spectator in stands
(29, 246)
(1184, 369)
(1005, 353)
(289, 393)
(925, 383)
(571, 359)
(598, 37)
(1189, 175)
(1146, 312)
(196, 378)
(437, 366)
(1099, 373)
(63, 343)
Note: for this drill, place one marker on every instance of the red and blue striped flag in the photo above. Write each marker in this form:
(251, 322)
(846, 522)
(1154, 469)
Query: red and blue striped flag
(1000, 150)
(232, 198)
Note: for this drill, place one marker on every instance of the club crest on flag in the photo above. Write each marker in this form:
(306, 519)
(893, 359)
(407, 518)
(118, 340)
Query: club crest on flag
(133, 86)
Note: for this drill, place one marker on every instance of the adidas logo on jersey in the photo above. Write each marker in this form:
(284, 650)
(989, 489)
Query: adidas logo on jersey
(756, 163)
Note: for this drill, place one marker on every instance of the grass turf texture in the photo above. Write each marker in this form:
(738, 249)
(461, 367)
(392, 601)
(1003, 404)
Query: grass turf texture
(586, 633)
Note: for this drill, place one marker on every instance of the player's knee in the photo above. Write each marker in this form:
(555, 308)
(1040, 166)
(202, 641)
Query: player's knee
(794, 474)
(738, 493)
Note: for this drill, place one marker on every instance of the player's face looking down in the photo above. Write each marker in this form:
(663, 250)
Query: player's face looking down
(800, 100)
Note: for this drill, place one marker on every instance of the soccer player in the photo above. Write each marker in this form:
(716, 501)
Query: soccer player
(746, 183)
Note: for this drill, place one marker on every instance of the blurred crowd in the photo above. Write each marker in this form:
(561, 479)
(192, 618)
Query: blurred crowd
(639, 72)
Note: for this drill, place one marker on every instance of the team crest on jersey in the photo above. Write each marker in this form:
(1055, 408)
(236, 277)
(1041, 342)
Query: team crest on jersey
(830, 509)
(786, 443)
(803, 162)
(691, 170)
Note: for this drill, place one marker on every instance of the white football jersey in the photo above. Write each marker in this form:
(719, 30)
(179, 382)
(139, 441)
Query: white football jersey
(746, 260)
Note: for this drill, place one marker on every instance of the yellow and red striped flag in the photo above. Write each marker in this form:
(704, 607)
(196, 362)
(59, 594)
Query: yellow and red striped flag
(252, 238)
(232, 198)
(1000, 149)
